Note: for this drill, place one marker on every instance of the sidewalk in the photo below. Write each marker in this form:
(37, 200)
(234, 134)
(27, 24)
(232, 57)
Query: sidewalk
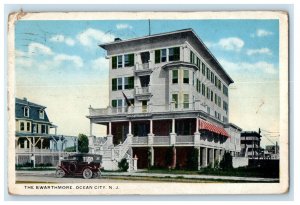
(158, 175)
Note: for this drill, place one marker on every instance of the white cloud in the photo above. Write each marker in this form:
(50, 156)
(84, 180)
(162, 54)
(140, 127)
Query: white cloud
(229, 44)
(261, 33)
(100, 64)
(123, 26)
(62, 39)
(92, 37)
(76, 60)
(39, 49)
(266, 51)
(249, 68)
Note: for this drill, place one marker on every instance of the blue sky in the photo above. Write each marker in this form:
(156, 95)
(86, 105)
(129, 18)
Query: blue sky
(59, 65)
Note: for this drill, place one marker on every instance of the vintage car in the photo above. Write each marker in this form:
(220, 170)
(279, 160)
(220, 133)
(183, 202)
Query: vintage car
(85, 165)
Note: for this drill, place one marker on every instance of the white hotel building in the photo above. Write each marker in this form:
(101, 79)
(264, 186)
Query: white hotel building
(178, 94)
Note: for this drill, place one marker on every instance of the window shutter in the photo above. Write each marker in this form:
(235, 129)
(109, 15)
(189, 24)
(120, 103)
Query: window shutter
(114, 84)
(131, 82)
(114, 62)
(131, 59)
(176, 53)
(114, 103)
(157, 56)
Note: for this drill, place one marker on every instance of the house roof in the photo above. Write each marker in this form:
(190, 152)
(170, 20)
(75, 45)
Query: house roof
(188, 31)
(33, 110)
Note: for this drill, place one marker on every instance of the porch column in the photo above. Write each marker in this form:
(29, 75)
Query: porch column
(199, 158)
(109, 136)
(173, 125)
(151, 156)
(33, 144)
(151, 126)
(42, 158)
(197, 134)
(109, 128)
(213, 157)
(91, 128)
(129, 135)
(197, 125)
(129, 128)
(204, 156)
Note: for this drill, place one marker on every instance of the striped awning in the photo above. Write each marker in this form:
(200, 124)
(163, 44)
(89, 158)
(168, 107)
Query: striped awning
(204, 125)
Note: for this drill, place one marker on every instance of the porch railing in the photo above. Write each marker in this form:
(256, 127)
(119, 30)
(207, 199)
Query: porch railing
(185, 139)
(161, 140)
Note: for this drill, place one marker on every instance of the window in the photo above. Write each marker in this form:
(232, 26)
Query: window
(120, 61)
(26, 111)
(28, 126)
(192, 57)
(130, 82)
(34, 128)
(225, 106)
(207, 73)
(211, 96)
(198, 86)
(120, 83)
(225, 90)
(174, 54)
(129, 60)
(225, 119)
(208, 93)
(114, 84)
(22, 126)
(203, 68)
(114, 62)
(198, 63)
(219, 84)
(216, 81)
(203, 90)
(219, 101)
(41, 114)
(208, 110)
(117, 104)
(186, 76)
(212, 77)
(175, 99)
(174, 76)
(160, 55)
(216, 99)
(43, 129)
(185, 100)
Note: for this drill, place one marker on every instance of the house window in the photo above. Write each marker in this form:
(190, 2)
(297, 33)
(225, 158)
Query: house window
(129, 60)
(216, 81)
(185, 100)
(203, 68)
(219, 84)
(175, 99)
(34, 128)
(174, 76)
(203, 89)
(208, 110)
(43, 127)
(216, 99)
(225, 106)
(120, 83)
(208, 93)
(192, 57)
(198, 63)
(212, 77)
(28, 126)
(160, 56)
(22, 126)
(225, 90)
(117, 104)
(198, 88)
(26, 112)
(174, 54)
(211, 96)
(186, 76)
(207, 73)
(41, 114)
(219, 101)
(120, 61)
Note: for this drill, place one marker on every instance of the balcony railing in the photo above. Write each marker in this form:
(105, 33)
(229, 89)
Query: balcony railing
(172, 107)
(142, 90)
(185, 139)
(161, 140)
(142, 66)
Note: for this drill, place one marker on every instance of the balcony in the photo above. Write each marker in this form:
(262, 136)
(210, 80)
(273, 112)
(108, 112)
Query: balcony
(142, 69)
(143, 93)
(172, 107)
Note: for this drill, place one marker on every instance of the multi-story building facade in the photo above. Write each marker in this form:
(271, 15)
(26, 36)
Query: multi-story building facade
(165, 90)
(33, 136)
(250, 143)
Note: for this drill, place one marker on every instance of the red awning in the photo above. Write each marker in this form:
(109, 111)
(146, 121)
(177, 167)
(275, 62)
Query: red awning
(204, 125)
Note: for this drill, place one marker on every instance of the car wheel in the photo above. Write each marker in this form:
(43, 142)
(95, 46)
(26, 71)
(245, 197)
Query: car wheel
(87, 173)
(60, 173)
(95, 175)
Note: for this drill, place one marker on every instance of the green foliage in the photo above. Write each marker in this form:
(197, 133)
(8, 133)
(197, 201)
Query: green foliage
(83, 143)
(123, 165)
(226, 162)
(70, 149)
(192, 162)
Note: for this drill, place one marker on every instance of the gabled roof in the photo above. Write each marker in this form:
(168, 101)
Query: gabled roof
(33, 110)
(188, 31)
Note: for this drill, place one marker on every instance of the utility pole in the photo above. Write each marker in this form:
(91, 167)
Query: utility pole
(149, 27)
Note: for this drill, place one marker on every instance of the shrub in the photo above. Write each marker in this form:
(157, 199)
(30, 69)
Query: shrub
(192, 162)
(83, 143)
(226, 162)
(123, 165)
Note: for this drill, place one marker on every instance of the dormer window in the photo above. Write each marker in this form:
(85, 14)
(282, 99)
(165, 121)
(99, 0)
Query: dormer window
(26, 111)
(41, 114)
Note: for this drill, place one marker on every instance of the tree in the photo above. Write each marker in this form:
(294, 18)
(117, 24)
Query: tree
(83, 143)
(226, 162)
(123, 165)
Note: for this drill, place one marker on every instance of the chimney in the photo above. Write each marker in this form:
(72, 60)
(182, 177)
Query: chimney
(117, 39)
